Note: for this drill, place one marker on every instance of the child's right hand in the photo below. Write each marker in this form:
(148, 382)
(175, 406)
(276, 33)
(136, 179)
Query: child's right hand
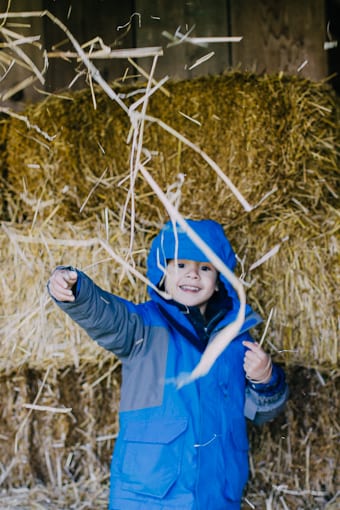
(60, 284)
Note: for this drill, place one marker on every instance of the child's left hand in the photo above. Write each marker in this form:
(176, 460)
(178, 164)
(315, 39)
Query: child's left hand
(257, 363)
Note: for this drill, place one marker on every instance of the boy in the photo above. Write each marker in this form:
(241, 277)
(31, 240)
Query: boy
(178, 448)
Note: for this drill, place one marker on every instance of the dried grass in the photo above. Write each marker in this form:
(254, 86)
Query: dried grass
(277, 195)
(33, 330)
(241, 120)
(293, 460)
(257, 154)
(67, 453)
(299, 284)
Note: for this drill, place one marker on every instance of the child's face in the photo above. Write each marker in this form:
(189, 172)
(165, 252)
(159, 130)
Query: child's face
(191, 283)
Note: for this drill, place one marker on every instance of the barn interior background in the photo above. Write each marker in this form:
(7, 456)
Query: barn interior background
(265, 109)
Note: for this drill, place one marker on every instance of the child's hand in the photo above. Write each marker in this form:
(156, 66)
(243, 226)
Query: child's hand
(257, 364)
(60, 284)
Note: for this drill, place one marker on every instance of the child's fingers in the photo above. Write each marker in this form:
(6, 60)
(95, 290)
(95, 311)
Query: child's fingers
(60, 293)
(253, 346)
(61, 283)
(66, 276)
(254, 354)
(256, 363)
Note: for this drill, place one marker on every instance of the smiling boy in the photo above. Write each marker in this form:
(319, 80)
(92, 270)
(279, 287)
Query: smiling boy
(191, 283)
(177, 448)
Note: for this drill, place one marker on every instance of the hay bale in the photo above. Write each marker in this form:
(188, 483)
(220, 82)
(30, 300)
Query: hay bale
(64, 457)
(60, 173)
(266, 133)
(35, 333)
(58, 426)
(299, 282)
(294, 459)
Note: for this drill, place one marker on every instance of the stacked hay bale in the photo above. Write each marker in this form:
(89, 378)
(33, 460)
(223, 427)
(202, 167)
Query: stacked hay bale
(67, 188)
(3, 172)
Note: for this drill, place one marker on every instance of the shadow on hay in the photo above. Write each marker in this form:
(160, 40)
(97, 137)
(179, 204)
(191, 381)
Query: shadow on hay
(51, 447)
(295, 457)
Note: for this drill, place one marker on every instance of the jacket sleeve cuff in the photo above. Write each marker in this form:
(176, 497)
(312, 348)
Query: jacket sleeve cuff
(265, 401)
(274, 384)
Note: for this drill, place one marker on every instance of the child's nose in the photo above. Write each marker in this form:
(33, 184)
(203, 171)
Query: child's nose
(193, 272)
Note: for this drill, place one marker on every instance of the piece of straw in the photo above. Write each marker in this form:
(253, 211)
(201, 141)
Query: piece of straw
(226, 335)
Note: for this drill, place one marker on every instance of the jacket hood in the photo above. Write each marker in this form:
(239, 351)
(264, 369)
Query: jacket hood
(172, 242)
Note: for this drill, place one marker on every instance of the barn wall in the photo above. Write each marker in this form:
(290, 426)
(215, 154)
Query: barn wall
(206, 18)
(278, 35)
(87, 20)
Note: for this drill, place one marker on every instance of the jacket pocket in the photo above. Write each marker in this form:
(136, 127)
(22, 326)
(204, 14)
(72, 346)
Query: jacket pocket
(152, 456)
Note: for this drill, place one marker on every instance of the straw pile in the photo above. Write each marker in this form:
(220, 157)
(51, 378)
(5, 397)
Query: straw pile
(274, 137)
(65, 195)
(34, 331)
(54, 431)
(281, 130)
(294, 460)
(59, 458)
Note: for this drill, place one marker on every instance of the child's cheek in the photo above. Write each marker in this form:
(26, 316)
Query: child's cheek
(169, 285)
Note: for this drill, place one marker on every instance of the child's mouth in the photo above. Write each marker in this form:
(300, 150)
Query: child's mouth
(189, 288)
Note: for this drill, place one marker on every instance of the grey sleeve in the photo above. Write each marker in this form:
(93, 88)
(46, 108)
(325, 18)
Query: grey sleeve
(266, 401)
(108, 319)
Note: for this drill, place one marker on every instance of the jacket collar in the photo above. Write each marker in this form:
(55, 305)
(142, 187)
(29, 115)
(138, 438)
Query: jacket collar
(194, 327)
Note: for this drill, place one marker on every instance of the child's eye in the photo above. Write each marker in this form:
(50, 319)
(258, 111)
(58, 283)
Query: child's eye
(205, 268)
(180, 265)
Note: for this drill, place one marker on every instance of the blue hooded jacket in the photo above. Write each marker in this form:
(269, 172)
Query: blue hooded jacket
(187, 448)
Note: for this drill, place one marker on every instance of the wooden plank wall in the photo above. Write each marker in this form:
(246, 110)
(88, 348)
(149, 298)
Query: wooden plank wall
(281, 36)
(278, 35)
(86, 20)
(205, 18)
